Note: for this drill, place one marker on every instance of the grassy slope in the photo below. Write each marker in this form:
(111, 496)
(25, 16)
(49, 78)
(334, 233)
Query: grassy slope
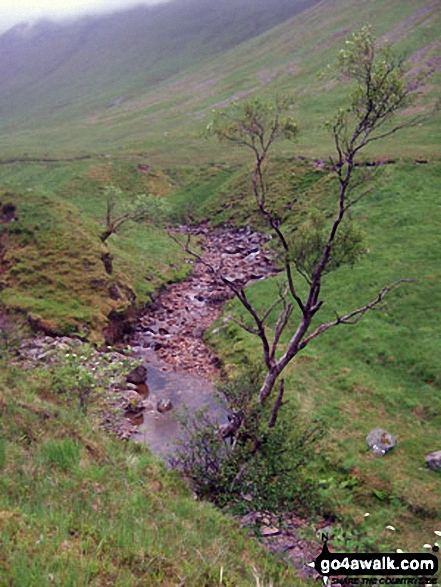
(68, 70)
(164, 119)
(384, 372)
(60, 209)
(77, 508)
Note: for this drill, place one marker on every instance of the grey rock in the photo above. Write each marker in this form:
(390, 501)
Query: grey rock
(269, 531)
(132, 401)
(433, 460)
(252, 256)
(164, 405)
(380, 441)
(45, 354)
(62, 346)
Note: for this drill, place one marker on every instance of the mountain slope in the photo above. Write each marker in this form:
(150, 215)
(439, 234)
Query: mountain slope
(92, 61)
(383, 373)
(108, 97)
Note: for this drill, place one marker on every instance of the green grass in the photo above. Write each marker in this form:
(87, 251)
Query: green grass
(61, 210)
(80, 509)
(163, 119)
(50, 233)
(383, 372)
(200, 186)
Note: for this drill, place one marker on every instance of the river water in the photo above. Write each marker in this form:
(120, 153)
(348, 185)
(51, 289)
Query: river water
(169, 335)
(185, 390)
(180, 367)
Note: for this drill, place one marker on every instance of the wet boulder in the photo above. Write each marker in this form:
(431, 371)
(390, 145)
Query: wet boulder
(164, 405)
(137, 375)
(132, 401)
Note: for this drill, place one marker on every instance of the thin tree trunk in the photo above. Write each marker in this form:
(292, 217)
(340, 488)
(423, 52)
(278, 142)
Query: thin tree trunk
(277, 404)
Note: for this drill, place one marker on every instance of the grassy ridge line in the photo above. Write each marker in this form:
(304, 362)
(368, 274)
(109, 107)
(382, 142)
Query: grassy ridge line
(165, 119)
(80, 509)
(382, 373)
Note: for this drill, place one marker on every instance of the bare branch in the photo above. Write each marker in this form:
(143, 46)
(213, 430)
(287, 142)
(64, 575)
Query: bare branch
(242, 325)
(280, 299)
(240, 295)
(354, 316)
(186, 248)
(282, 322)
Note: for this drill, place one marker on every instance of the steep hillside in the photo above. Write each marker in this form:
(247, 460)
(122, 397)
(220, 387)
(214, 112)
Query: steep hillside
(96, 87)
(104, 61)
(80, 509)
(55, 270)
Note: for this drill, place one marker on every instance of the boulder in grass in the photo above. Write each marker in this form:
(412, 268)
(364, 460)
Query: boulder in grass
(433, 460)
(380, 441)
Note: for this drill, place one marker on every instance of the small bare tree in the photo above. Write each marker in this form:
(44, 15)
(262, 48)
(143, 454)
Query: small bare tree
(380, 92)
(119, 212)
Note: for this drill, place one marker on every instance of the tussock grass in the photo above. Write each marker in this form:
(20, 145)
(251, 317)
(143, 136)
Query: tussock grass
(78, 508)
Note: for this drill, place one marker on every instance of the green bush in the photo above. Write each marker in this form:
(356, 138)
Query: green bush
(256, 468)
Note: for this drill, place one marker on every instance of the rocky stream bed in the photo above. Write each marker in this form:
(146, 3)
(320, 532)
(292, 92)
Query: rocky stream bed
(173, 326)
(167, 366)
(170, 338)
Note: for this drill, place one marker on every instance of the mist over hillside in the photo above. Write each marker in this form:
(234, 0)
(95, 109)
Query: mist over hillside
(50, 66)
(147, 78)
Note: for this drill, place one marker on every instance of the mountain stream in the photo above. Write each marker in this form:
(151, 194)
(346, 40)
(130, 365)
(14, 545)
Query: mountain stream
(169, 337)
(181, 370)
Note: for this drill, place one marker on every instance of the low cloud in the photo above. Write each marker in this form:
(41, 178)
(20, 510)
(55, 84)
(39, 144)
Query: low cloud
(13, 12)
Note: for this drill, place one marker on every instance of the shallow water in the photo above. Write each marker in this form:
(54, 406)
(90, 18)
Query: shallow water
(159, 431)
(174, 324)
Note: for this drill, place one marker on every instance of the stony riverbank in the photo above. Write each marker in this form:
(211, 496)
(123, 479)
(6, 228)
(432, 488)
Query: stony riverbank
(169, 342)
(98, 380)
(174, 324)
